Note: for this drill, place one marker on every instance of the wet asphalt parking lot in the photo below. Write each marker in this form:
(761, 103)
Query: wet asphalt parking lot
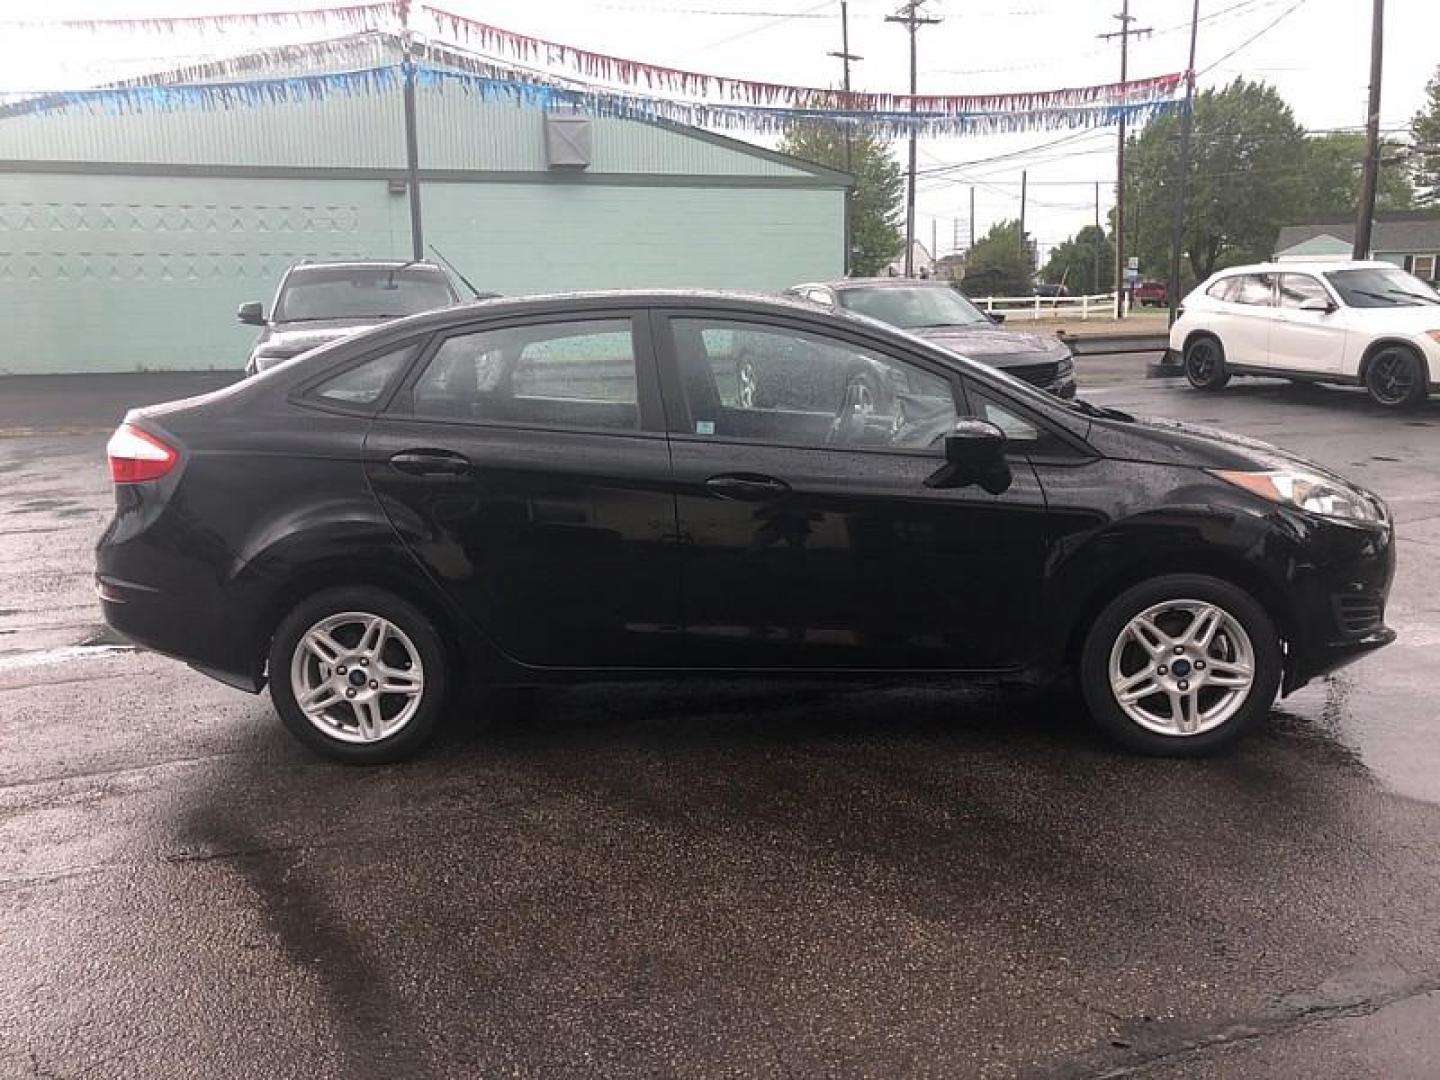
(709, 880)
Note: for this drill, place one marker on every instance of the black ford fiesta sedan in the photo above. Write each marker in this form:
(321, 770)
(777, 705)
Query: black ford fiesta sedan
(571, 487)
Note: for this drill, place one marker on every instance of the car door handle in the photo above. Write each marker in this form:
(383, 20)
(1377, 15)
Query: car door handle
(431, 463)
(746, 487)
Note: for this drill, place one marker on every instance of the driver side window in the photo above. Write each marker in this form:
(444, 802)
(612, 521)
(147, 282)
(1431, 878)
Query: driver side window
(763, 383)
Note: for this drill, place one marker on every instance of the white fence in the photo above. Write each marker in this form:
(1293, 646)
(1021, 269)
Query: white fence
(1047, 307)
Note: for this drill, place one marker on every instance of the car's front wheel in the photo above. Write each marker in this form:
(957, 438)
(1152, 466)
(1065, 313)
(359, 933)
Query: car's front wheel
(359, 675)
(1395, 378)
(1180, 665)
(1204, 363)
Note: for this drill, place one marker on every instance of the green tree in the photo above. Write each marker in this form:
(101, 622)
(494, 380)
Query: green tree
(876, 203)
(1246, 180)
(1085, 263)
(1425, 130)
(1333, 166)
(998, 266)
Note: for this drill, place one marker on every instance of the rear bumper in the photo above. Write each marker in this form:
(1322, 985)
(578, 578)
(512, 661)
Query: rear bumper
(199, 630)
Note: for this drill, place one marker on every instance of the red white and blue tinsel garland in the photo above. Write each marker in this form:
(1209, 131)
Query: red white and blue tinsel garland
(885, 123)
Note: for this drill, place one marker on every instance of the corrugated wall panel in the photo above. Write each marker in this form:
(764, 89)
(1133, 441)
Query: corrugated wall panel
(455, 132)
(358, 132)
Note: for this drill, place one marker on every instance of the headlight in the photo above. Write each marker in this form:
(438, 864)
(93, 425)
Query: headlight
(1066, 365)
(1305, 491)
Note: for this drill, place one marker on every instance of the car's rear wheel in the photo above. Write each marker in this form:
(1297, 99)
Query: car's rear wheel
(1205, 364)
(359, 675)
(1180, 665)
(1395, 378)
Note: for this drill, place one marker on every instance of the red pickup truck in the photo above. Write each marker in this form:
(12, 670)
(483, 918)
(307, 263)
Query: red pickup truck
(1149, 293)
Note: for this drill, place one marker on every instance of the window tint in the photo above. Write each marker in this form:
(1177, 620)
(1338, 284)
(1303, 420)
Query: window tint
(365, 384)
(576, 374)
(1295, 289)
(1223, 289)
(1016, 428)
(1254, 289)
(768, 384)
(347, 292)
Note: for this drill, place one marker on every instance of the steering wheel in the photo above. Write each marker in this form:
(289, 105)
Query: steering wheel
(863, 418)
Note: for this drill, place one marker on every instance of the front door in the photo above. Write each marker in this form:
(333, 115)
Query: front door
(526, 466)
(810, 539)
(1307, 340)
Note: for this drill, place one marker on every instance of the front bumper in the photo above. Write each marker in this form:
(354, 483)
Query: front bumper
(1339, 599)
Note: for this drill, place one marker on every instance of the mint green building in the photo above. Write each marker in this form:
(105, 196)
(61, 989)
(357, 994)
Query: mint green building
(127, 240)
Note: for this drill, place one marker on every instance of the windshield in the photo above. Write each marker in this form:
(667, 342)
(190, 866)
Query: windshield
(360, 292)
(913, 308)
(1381, 286)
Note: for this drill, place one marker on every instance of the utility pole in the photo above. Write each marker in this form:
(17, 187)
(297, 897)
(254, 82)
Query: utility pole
(1024, 179)
(1366, 213)
(845, 56)
(1182, 175)
(1095, 252)
(412, 151)
(1124, 35)
(909, 15)
(972, 218)
(934, 243)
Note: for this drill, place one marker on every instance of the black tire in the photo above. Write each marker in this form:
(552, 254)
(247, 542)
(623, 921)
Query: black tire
(1395, 378)
(1204, 364)
(1117, 615)
(417, 634)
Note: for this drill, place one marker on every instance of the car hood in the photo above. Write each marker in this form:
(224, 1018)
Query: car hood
(291, 339)
(1170, 442)
(995, 345)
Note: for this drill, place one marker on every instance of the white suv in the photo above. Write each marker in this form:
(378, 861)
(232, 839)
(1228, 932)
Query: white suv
(1356, 323)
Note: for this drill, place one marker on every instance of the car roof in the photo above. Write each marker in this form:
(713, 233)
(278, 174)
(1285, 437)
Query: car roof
(358, 264)
(1308, 267)
(872, 282)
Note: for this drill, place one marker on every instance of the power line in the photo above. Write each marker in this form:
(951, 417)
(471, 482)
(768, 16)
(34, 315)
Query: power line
(1254, 37)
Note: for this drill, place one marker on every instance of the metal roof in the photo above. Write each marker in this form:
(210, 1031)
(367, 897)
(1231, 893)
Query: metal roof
(1395, 231)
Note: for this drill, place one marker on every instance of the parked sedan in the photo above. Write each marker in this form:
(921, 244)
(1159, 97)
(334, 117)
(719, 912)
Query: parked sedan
(317, 303)
(553, 489)
(938, 313)
(1364, 324)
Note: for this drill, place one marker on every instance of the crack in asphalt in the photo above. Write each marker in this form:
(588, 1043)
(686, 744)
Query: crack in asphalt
(1239, 1032)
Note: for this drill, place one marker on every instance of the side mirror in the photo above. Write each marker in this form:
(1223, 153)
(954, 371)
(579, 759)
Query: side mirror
(1316, 303)
(974, 454)
(997, 317)
(252, 314)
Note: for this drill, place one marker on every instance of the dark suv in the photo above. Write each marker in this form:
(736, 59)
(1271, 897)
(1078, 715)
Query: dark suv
(939, 313)
(571, 487)
(318, 303)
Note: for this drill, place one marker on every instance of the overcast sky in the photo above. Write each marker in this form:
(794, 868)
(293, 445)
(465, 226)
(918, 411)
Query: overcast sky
(1317, 56)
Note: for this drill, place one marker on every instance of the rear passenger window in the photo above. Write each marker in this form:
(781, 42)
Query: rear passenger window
(1257, 290)
(1224, 289)
(572, 374)
(364, 384)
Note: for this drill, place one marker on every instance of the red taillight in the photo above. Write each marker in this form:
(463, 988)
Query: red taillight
(137, 455)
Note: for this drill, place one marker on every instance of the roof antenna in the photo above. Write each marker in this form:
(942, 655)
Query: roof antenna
(456, 271)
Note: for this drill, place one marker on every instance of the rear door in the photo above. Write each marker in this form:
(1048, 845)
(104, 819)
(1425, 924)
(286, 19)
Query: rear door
(1249, 316)
(1307, 340)
(525, 464)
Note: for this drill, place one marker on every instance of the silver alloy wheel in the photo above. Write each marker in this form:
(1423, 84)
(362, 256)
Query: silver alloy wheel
(1182, 667)
(747, 383)
(357, 677)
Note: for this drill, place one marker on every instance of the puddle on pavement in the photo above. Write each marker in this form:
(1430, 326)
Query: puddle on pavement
(101, 641)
